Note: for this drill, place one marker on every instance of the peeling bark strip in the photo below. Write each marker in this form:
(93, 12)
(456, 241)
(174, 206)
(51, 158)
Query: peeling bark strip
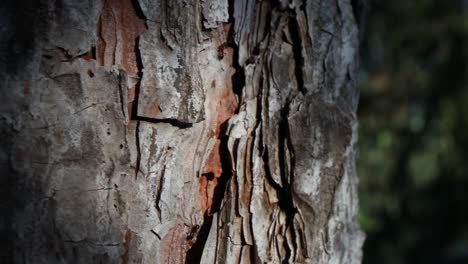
(120, 24)
(237, 117)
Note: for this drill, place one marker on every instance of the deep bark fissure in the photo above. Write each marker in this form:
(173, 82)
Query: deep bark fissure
(297, 52)
(226, 168)
(122, 89)
(194, 254)
(287, 177)
(238, 78)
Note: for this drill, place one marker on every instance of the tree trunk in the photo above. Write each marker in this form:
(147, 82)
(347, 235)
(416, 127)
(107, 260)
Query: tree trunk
(178, 131)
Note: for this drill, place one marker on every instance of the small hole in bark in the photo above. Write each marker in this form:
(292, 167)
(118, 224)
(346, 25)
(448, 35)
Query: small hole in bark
(209, 176)
(121, 146)
(93, 52)
(256, 51)
(90, 73)
(193, 232)
(221, 52)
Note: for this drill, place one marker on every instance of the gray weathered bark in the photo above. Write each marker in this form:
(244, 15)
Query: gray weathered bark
(158, 131)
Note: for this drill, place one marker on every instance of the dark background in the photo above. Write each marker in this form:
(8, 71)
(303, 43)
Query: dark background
(413, 143)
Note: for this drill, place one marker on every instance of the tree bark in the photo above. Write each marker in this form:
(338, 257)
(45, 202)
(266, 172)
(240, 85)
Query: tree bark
(179, 131)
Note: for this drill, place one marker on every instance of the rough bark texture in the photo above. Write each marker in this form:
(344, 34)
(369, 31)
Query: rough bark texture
(174, 131)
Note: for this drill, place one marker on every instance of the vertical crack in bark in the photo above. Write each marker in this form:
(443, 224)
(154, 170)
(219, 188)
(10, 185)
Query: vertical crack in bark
(138, 150)
(238, 78)
(226, 170)
(158, 192)
(286, 201)
(194, 254)
(122, 90)
(134, 92)
(293, 28)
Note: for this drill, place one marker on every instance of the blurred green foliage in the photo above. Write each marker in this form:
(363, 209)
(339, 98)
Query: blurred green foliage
(413, 142)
